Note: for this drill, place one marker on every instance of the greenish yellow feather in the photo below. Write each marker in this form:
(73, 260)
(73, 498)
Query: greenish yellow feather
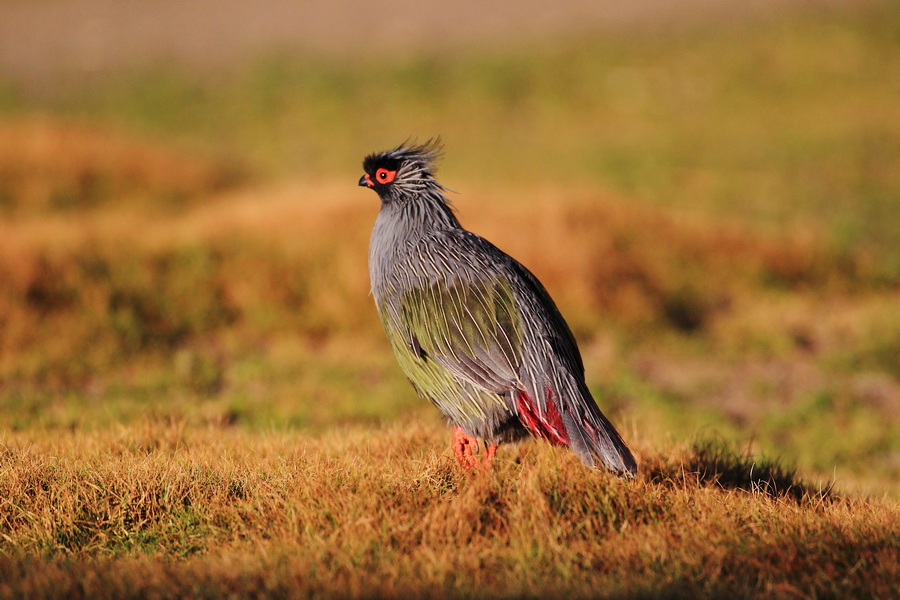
(460, 343)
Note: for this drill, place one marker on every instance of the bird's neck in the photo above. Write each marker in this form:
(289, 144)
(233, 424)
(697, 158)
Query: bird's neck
(400, 225)
(422, 214)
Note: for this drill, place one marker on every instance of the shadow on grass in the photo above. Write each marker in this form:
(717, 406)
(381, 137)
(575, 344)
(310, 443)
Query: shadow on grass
(714, 463)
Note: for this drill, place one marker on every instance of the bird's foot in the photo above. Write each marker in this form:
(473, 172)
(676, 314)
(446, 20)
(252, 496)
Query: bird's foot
(465, 447)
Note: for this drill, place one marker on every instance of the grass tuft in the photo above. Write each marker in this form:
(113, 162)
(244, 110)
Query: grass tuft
(717, 464)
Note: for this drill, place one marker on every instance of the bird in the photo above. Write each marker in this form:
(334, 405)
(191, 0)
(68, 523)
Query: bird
(472, 329)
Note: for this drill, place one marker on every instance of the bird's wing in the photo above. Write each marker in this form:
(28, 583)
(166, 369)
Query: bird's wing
(469, 325)
(565, 412)
(557, 332)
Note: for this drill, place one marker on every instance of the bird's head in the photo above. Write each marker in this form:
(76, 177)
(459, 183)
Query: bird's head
(406, 170)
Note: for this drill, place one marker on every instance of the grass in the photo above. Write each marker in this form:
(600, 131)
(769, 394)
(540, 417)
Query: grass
(52, 167)
(204, 512)
(196, 398)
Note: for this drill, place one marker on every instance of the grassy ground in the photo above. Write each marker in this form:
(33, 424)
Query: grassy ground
(210, 512)
(196, 398)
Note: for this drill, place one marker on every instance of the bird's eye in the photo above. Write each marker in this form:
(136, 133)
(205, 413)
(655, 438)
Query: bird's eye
(385, 176)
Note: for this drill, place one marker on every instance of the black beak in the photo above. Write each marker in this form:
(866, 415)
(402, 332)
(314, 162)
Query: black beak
(365, 181)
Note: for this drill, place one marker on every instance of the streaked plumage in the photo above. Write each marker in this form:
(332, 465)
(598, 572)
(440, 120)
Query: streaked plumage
(474, 331)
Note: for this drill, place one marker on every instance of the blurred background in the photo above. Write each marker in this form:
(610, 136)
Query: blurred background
(710, 190)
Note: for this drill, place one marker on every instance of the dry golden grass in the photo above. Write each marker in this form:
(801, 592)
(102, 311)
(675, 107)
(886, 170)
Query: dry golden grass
(379, 513)
(49, 165)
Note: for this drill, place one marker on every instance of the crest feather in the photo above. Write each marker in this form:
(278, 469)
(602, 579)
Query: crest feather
(411, 158)
(426, 155)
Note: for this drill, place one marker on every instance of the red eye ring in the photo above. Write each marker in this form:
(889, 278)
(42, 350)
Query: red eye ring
(382, 175)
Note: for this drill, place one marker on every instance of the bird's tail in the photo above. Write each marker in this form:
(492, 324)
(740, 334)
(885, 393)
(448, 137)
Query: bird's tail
(573, 420)
(594, 439)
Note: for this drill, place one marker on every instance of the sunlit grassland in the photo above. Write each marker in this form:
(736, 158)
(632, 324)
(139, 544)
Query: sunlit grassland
(196, 397)
(379, 512)
(250, 310)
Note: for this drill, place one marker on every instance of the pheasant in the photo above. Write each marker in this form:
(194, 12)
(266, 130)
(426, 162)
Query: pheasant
(474, 331)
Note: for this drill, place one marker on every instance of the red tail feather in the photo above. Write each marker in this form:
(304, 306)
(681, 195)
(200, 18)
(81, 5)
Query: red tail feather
(548, 425)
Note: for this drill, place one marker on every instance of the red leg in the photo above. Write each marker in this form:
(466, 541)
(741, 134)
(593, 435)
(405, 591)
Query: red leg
(489, 453)
(465, 447)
